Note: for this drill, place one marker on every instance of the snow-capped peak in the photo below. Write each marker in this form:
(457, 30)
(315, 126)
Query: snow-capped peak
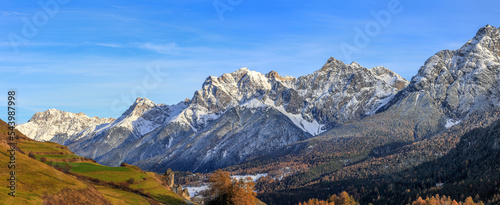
(139, 107)
(334, 64)
(242, 70)
(355, 65)
(486, 42)
(389, 77)
(466, 79)
(487, 30)
(44, 126)
(144, 115)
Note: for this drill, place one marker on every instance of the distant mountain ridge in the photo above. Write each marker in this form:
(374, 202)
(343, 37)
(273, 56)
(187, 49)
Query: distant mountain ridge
(241, 115)
(44, 126)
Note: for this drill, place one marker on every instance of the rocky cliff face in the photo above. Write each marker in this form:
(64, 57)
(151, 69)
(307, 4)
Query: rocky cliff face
(141, 118)
(340, 92)
(462, 81)
(44, 126)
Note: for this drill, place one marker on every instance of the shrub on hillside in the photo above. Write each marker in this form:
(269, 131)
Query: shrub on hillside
(31, 155)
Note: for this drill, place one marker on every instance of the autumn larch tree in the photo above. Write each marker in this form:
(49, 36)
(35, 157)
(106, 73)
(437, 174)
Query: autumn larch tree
(224, 191)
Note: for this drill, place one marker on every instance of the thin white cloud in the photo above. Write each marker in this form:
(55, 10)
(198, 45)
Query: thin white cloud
(120, 18)
(50, 44)
(118, 7)
(166, 48)
(85, 43)
(13, 13)
(28, 43)
(172, 48)
(160, 48)
(113, 45)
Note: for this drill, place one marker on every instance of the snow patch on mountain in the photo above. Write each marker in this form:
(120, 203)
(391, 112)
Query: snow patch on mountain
(254, 103)
(254, 177)
(313, 128)
(451, 123)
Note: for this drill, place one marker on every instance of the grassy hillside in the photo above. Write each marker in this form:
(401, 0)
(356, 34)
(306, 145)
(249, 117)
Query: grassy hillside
(65, 178)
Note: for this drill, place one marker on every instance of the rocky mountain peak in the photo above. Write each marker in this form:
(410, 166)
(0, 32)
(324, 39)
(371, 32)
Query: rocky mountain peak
(230, 89)
(50, 113)
(355, 65)
(275, 76)
(487, 37)
(143, 101)
(55, 114)
(45, 125)
(334, 64)
(478, 53)
(242, 70)
(488, 30)
(139, 107)
(390, 77)
(463, 80)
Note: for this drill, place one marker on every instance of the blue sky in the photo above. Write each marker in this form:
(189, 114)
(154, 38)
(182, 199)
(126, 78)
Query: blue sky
(96, 57)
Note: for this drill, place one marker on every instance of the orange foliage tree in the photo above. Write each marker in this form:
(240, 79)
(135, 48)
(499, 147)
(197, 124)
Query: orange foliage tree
(223, 190)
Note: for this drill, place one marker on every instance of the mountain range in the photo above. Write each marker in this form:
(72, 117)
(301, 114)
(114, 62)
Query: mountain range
(242, 116)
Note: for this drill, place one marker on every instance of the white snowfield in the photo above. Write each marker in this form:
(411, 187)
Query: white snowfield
(451, 123)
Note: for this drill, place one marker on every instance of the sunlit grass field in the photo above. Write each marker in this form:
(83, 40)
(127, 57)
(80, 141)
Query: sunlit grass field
(36, 179)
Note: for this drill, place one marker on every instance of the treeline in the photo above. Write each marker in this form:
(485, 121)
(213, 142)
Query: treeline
(437, 200)
(345, 199)
(342, 199)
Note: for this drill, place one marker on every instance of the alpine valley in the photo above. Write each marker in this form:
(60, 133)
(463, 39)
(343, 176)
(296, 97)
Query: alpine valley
(370, 132)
